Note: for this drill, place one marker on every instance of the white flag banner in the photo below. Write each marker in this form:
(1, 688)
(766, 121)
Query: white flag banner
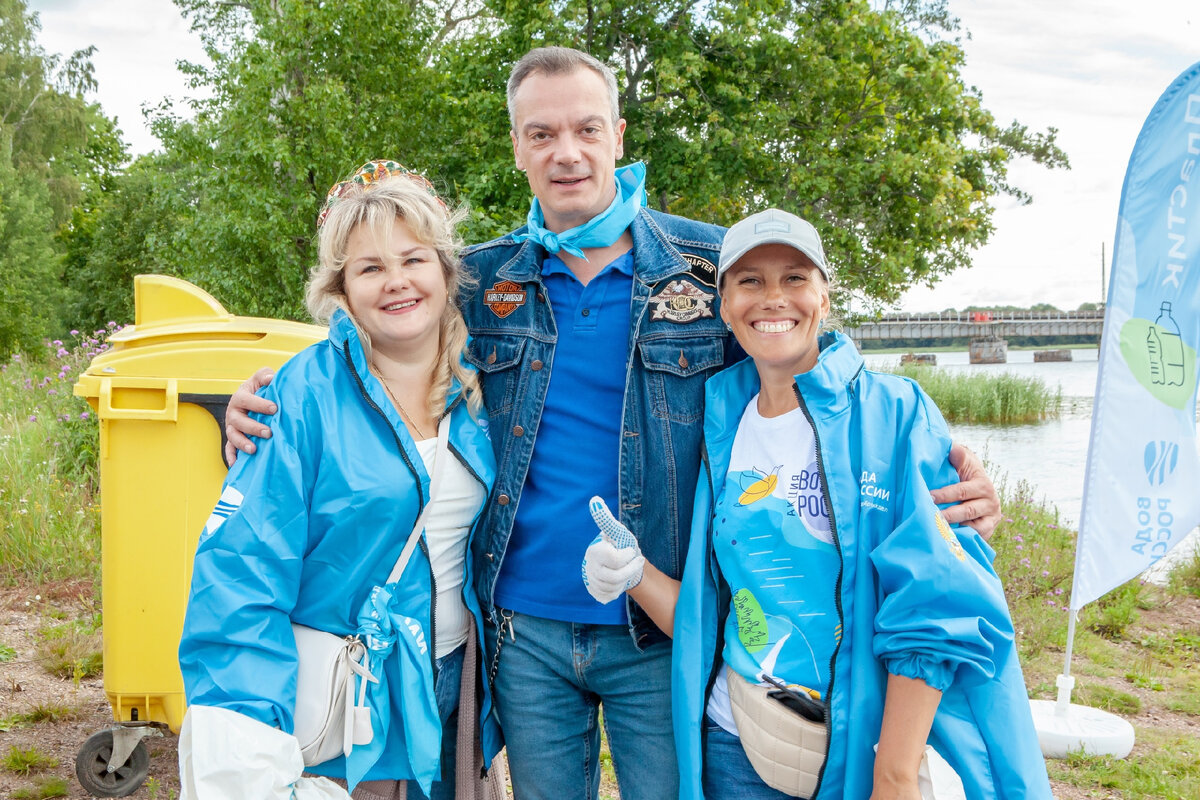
(1141, 494)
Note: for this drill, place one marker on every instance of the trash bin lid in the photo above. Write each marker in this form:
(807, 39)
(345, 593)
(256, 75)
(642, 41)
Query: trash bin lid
(184, 342)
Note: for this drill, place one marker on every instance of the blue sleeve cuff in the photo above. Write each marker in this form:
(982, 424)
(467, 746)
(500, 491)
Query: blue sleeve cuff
(936, 673)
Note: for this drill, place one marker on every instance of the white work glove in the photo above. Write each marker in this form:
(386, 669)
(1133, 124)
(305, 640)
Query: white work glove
(613, 562)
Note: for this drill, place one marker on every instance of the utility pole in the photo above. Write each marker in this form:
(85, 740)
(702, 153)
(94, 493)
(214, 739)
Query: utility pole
(1103, 276)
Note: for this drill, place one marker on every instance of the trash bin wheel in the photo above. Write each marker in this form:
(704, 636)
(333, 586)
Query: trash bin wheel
(91, 767)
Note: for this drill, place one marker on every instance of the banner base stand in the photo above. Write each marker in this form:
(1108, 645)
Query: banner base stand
(1075, 728)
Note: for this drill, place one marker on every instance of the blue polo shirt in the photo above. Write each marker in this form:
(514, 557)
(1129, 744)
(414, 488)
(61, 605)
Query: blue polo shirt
(577, 450)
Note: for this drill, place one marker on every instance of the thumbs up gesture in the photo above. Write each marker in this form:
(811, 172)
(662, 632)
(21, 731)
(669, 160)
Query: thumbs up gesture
(613, 562)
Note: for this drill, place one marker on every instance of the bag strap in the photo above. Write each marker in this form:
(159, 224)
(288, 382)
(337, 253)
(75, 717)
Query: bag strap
(440, 457)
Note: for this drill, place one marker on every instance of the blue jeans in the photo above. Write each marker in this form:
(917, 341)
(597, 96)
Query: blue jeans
(445, 691)
(552, 679)
(728, 774)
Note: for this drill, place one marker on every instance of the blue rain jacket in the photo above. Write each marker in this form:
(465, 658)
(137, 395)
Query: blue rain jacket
(329, 501)
(916, 598)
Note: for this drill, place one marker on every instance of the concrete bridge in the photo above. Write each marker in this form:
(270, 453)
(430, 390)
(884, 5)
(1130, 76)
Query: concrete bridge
(980, 325)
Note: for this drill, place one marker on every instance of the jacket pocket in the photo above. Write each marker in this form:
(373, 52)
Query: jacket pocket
(497, 359)
(676, 370)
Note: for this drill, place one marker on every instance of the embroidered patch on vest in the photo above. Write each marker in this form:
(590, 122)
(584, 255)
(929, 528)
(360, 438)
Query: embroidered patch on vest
(681, 301)
(504, 298)
(702, 269)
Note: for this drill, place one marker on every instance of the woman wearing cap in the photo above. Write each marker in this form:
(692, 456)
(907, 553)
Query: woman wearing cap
(309, 529)
(823, 590)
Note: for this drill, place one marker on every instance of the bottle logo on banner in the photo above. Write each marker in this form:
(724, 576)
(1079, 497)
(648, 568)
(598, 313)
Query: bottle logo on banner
(1163, 363)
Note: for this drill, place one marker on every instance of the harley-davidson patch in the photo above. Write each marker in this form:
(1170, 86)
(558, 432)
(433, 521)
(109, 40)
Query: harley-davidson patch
(504, 298)
(702, 269)
(681, 301)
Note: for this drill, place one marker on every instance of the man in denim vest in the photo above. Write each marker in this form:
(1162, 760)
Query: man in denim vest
(594, 328)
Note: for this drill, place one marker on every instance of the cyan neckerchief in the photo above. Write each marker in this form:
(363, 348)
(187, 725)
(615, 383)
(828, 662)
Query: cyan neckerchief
(601, 230)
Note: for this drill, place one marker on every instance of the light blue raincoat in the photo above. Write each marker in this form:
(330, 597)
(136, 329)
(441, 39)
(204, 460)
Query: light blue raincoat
(305, 530)
(915, 598)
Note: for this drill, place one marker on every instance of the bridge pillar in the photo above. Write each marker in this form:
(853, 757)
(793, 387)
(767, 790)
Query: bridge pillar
(989, 350)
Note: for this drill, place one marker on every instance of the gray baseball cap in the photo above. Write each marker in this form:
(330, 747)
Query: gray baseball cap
(772, 226)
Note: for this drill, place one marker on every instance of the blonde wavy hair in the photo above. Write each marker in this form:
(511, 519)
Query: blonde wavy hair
(377, 205)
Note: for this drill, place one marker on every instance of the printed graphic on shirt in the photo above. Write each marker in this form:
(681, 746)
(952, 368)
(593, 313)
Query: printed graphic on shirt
(773, 541)
(504, 298)
(229, 502)
(758, 488)
(681, 301)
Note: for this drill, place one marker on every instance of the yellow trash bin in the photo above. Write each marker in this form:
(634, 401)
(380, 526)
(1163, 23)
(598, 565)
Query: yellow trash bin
(160, 394)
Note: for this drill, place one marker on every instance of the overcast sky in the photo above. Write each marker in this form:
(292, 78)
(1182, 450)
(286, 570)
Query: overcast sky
(1090, 69)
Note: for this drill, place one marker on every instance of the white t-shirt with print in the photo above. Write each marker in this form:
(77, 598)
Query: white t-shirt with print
(774, 543)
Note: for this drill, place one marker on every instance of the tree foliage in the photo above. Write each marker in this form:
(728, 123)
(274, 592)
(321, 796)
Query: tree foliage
(853, 115)
(57, 153)
(849, 112)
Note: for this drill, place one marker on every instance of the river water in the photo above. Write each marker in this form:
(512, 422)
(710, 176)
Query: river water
(1049, 455)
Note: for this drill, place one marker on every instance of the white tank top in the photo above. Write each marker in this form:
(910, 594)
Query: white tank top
(447, 525)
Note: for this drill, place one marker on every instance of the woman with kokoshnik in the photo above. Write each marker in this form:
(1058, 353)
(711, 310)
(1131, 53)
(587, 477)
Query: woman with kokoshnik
(309, 528)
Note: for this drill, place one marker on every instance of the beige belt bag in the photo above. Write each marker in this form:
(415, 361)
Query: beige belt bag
(785, 749)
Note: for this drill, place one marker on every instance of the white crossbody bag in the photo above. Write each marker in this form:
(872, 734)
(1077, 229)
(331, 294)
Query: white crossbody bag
(329, 719)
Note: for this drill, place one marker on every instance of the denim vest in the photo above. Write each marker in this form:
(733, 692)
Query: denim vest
(676, 342)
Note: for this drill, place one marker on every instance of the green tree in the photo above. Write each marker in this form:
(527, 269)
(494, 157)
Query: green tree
(132, 229)
(852, 113)
(56, 150)
(301, 93)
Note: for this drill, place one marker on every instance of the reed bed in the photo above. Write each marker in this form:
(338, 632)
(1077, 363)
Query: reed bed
(1001, 399)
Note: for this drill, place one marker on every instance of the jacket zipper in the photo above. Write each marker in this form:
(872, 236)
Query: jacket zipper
(420, 507)
(719, 583)
(837, 596)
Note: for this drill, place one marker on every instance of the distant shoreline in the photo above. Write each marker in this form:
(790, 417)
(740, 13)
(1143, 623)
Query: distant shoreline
(964, 348)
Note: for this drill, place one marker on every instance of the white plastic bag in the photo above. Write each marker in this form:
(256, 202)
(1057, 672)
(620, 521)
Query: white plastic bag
(937, 779)
(224, 754)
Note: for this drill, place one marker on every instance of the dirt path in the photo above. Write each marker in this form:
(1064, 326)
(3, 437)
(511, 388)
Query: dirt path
(26, 687)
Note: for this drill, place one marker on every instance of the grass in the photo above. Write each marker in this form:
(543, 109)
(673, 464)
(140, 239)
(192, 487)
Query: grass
(43, 789)
(42, 712)
(1003, 398)
(71, 650)
(48, 448)
(1167, 766)
(1133, 655)
(24, 760)
(1185, 578)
